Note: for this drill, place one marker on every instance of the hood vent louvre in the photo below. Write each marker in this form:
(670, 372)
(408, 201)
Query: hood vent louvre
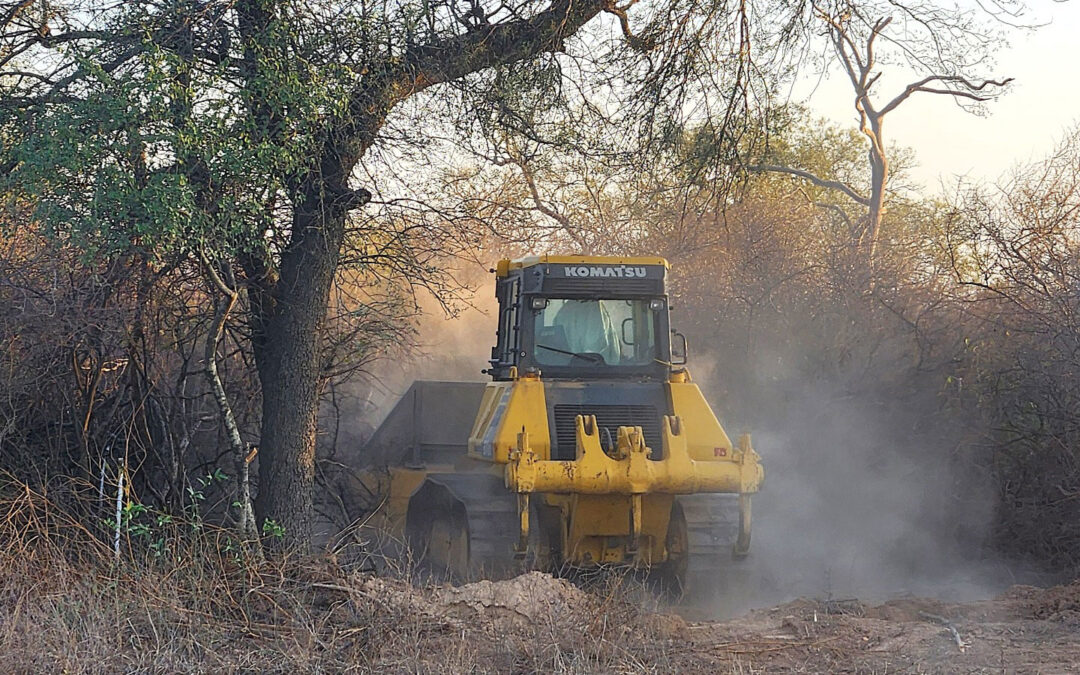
(564, 445)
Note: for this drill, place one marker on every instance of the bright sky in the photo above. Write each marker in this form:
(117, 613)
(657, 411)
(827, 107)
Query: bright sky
(1023, 125)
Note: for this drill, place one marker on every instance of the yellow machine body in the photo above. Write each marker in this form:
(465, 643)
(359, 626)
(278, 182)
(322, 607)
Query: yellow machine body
(613, 505)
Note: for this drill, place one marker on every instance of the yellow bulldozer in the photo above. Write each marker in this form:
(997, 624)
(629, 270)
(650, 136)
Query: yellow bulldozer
(591, 446)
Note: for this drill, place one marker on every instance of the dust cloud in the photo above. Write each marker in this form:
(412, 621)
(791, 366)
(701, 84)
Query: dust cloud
(861, 498)
(452, 343)
(859, 502)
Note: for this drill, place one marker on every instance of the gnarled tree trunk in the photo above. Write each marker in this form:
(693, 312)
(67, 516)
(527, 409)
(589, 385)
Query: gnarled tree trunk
(290, 370)
(288, 311)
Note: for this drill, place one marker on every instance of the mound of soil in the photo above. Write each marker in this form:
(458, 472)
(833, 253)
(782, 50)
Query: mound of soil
(531, 597)
(1061, 603)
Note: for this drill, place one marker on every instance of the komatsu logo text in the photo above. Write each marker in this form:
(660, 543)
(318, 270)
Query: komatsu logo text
(619, 271)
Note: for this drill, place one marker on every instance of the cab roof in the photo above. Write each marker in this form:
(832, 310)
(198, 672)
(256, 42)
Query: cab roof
(505, 265)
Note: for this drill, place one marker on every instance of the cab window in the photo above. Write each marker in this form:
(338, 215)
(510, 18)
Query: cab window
(594, 332)
(505, 351)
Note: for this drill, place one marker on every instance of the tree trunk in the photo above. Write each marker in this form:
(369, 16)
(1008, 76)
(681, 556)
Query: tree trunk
(879, 181)
(288, 311)
(245, 519)
(290, 370)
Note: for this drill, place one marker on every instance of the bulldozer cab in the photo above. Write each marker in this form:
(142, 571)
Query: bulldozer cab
(582, 318)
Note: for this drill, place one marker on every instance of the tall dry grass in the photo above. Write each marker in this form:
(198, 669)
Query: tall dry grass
(195, 603)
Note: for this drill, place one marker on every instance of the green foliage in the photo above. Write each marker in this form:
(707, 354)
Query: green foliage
(271, 528)
(197, 495)
(165, 151)
(152, 530)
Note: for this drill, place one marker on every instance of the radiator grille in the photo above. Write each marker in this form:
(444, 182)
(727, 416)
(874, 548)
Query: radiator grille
(610, 416)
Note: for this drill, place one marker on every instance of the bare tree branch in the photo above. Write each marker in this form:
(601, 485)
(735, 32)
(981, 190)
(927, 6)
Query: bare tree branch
(820, 182)
(966, 89)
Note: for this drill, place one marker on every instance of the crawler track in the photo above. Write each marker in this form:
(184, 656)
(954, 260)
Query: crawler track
(712, 528)
(490, 525)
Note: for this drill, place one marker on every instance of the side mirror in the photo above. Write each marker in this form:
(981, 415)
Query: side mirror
(628, 320)
(678, 348)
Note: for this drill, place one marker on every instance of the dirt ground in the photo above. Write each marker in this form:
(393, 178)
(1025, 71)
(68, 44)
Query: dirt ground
(1025, 630)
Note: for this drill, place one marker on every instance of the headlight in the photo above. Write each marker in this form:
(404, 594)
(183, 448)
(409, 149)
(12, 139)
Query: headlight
(656, 304)
(539, 303)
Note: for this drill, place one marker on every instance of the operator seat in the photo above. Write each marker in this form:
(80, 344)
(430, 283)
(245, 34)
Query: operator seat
(589, 329)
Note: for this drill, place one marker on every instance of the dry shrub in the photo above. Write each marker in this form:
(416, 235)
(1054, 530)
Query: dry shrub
(69, 603)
